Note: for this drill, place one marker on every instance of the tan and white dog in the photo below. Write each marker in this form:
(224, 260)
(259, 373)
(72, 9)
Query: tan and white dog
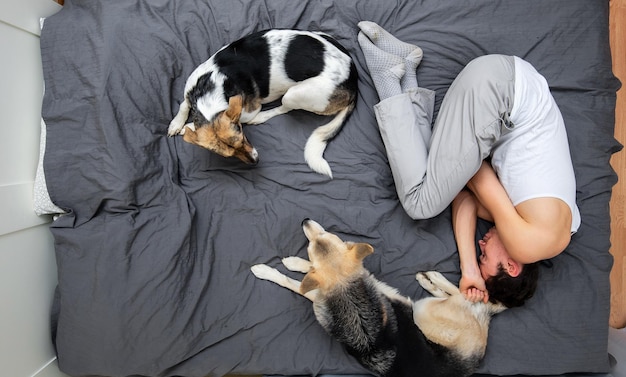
(310, 70)
(444, 335)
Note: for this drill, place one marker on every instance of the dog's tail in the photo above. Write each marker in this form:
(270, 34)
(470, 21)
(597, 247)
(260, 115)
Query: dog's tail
(316, 144)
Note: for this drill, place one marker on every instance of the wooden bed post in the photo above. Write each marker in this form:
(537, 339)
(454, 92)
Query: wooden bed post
(617, 28)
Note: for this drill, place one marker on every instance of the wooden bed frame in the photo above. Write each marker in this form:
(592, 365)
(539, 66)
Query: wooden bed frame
(617, 27)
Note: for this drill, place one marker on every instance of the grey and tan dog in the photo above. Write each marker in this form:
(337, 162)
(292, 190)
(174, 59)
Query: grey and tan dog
(389, 334)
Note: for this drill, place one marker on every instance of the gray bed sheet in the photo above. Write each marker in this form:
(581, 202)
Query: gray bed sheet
(154, 254)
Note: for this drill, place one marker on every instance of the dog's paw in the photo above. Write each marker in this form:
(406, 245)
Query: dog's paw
(253, 122)
(264, 272)
(175, 128)
(436, 284)
(436, 278)
(297, 264)
(428, 280)
(180, 130)
(424, 280)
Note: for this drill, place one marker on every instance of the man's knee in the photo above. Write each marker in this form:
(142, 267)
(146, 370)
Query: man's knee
(421, 209)
(486, 68)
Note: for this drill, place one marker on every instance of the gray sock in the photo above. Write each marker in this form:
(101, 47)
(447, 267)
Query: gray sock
(386, 69)
(385, 40)
(390, 44)
(411, 61)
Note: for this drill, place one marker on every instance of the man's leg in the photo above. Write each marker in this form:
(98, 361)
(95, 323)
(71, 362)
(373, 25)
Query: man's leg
(472, 116)
(469, 122)
(404, 122)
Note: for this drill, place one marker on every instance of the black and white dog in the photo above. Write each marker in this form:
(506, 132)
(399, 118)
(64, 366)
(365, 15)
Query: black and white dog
(444, 335)
(310, 70)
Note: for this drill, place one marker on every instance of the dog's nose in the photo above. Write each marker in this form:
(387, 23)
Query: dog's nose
(254, 157)
(304, 221)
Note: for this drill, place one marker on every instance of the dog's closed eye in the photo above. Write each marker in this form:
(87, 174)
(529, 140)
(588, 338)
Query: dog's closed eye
(322, 247)
(236, 136)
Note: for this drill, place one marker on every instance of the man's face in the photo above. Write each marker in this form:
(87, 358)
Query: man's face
(493, 254)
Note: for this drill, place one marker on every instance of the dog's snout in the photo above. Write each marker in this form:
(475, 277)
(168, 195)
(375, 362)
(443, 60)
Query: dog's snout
(254, 157)
(249, 157)
(251, 161)
(305, 221)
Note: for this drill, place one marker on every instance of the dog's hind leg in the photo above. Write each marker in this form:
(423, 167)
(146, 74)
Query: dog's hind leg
(177, 124)
(442, 283)
(265, 272)
(435, 283)
(265, 115)
(248, 115)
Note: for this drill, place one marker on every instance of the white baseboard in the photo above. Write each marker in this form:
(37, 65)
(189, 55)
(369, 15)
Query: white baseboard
(50, 369)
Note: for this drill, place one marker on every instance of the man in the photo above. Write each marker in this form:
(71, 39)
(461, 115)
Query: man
(496, 275)
(498, 108)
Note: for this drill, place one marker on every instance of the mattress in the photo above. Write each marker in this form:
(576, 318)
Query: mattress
(157, 236)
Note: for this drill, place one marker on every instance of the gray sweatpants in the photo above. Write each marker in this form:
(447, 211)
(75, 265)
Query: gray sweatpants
(429, 171)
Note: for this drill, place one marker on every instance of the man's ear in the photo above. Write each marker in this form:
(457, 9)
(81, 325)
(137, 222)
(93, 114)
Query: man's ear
(309, 282)
(235, 105)
(513, 268)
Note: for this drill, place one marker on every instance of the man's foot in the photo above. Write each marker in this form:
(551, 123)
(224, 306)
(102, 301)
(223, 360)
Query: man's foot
(386, 69)
(384, 40)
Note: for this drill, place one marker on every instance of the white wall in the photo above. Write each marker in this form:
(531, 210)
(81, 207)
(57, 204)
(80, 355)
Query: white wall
(27, 264)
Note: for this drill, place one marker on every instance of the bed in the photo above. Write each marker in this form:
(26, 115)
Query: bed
(156, 237)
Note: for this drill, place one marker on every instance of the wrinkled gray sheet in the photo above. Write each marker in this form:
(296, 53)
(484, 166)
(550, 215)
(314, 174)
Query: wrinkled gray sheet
(154, 257)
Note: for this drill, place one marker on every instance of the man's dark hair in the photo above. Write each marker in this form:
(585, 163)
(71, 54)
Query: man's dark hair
(513, 291)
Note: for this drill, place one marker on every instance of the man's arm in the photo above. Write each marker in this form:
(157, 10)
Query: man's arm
(464, 212)
(534, 230)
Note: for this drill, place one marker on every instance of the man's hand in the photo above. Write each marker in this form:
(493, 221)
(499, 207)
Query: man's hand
(472, 286)
(476, 295)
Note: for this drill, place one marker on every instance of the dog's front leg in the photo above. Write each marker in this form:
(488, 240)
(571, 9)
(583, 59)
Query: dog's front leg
(178, 123)
(189, 125)
(265, 272)
(297, 264)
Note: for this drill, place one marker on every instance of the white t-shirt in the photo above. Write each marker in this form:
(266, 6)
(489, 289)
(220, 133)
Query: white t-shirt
(533, 160)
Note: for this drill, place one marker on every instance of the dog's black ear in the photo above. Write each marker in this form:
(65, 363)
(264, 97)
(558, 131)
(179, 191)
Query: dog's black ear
(362, 249)
(309, 283)
(235, 105)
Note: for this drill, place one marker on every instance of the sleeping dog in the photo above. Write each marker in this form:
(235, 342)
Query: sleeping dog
(444, 335)
(310, 70)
